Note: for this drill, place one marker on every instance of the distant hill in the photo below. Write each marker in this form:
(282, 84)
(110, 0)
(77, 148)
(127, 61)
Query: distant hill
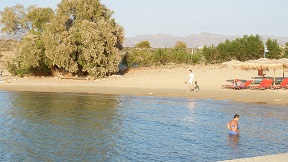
(166, 40)
(192, 40)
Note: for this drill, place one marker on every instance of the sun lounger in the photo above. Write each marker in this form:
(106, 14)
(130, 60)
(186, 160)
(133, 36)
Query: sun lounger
(235, 85)
(265, 84)
(246, 85)
(283, 84)
(228, 86)
(232, 85)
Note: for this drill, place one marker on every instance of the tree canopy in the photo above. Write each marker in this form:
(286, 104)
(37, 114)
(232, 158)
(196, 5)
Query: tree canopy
(38, 17)
(80, 38)
(285, 50)
(273, 48)
(246, 48)
(180, 45)
(143, 44)
(13, 18)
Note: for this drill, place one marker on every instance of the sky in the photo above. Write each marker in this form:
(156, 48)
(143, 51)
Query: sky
(185, 17)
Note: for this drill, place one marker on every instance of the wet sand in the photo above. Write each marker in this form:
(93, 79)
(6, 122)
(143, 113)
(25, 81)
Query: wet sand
(268, 158)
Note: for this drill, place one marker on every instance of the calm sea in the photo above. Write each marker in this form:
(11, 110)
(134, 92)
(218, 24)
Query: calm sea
(91, 127)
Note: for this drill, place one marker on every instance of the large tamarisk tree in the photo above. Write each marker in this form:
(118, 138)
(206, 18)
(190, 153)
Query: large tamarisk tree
(83, 38)
(28, 24)
(12, 19)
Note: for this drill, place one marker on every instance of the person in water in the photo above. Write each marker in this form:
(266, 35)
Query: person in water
(233, 125)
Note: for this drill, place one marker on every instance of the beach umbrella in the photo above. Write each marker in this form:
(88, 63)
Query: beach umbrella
(284, 62)
(263, 64)
(235, 64)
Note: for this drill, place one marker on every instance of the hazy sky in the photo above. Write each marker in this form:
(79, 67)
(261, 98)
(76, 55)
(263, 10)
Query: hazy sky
(184, 17)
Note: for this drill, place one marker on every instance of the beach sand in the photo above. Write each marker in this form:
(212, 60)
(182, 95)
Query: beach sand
(161, 81)
(166, 81)
(268, 158)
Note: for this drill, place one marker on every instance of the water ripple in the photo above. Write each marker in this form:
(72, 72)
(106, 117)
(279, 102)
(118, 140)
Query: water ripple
(88, 127)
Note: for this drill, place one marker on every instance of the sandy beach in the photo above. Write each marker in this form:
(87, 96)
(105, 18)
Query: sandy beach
(161, 81)
(268, 158)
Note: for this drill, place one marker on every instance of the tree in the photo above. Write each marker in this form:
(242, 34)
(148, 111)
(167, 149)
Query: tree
(30, 56)
(223, 51)
(209, 54)
(180, 45)
(139, 58)
(20, 20)
(246, 48)
(273, 48)
(36, 18)
(285, 50)
(29, 53)
(143, 44)
(83, 38)
(12, 19)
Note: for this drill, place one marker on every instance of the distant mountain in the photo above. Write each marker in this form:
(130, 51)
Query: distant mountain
(166, 40)
(192, 40)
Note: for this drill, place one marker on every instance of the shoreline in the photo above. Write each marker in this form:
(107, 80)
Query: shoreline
(270, 97)
(160, 82)
(55, 85)
(282, 157)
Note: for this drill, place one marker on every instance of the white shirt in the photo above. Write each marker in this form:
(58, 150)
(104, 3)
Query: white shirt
(191, 78)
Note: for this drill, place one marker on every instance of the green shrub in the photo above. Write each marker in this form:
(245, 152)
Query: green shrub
(162, 56)
(196, 58)
(139, 58)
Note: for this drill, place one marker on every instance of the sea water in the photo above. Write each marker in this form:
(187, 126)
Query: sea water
(92, 127)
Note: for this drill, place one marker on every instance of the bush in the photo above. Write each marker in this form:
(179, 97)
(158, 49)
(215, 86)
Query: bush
(162, 56)
(196, 59)
(136, 57)
(139, 58)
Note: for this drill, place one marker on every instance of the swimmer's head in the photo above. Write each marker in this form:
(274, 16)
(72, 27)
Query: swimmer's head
(236, 116)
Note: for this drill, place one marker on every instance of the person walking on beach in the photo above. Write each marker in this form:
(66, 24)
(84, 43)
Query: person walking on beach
(233, 125)
(190, 81)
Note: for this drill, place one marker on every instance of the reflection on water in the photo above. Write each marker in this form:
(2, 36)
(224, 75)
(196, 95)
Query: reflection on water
(233, 141)
(87, 127)
(39, 125)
